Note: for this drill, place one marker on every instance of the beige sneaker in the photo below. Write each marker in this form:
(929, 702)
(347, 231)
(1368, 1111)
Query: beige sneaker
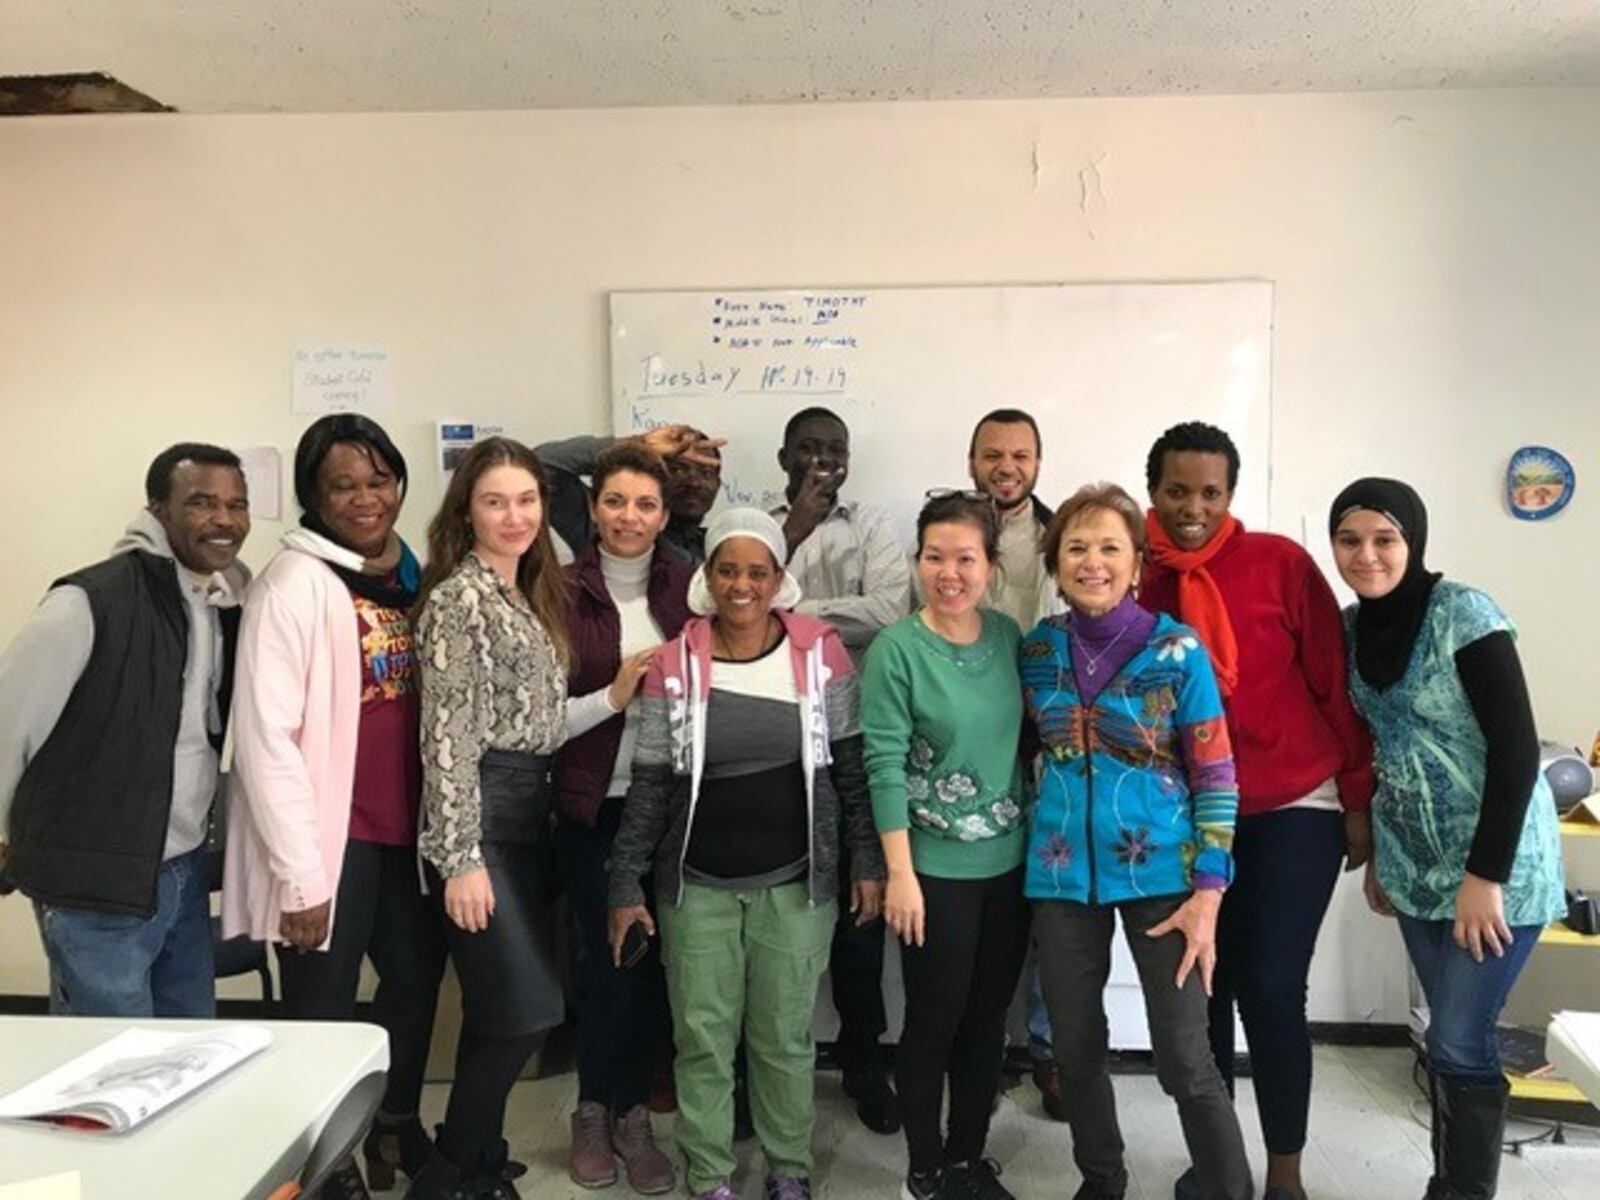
(592, 1162)
(649, 1171)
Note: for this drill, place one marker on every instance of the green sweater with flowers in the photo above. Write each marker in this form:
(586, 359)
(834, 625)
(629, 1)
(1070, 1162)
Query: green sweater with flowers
(941, 724)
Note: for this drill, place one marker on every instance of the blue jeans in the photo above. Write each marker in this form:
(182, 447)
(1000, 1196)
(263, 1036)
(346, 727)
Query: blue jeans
(1464, 997)
(121, 965)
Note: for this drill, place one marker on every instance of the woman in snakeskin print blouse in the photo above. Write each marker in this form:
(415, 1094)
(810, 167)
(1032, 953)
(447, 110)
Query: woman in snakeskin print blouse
(493, 652)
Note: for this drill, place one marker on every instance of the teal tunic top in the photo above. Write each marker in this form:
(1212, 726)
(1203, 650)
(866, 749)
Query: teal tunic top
(1431, 765)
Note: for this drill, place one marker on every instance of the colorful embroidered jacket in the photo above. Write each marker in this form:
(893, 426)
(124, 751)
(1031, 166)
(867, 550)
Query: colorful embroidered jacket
(1136, 793)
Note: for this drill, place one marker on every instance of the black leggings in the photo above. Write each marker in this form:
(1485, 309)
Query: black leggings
(486, 1070)
(1285, 866)
(381, 913)
(958, 986)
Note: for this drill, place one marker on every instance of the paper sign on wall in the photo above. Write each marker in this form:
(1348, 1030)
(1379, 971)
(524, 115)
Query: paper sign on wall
(342, 378)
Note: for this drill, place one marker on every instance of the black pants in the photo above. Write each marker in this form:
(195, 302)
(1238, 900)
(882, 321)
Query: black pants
(623, 1023)
(958, 987)
(381, 913)
(855, 972)
(1285, 866)
(487, 1068)
(509, 991)
(1074, 947)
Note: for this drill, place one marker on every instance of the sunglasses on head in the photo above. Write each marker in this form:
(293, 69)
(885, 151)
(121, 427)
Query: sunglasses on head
(971, 494)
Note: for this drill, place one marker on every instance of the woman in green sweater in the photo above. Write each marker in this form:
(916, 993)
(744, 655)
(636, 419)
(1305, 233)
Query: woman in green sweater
(941, 711)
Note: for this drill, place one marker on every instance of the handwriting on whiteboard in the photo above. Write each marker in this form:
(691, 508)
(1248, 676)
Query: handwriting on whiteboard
(804, 322)
(659, 380)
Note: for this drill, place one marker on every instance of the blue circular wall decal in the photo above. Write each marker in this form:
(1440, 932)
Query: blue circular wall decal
(1539, 483)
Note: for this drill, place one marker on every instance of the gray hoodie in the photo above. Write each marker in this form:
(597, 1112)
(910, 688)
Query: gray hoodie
(41, 666)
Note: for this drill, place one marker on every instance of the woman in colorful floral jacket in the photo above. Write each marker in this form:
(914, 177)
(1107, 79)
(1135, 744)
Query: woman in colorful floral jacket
(1134, 817)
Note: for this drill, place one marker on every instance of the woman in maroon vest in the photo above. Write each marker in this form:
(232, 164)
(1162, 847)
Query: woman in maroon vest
(625, 601)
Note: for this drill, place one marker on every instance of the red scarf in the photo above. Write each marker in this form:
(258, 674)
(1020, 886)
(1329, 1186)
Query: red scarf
(1200, 603)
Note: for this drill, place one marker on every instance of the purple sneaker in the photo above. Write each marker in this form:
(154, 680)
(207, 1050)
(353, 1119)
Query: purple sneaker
(786, 1187)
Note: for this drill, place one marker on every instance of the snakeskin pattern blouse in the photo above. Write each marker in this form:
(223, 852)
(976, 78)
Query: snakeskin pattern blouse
(491, 680)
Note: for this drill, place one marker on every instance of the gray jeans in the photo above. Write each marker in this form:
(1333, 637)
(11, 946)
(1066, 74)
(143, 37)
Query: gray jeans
(1074, 950)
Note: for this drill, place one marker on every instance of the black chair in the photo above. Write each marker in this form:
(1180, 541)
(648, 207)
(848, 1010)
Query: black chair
(239, 955)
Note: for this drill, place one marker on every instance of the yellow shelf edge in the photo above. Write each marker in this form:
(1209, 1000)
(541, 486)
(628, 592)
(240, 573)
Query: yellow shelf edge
(1523, 1088)
(1559, 935)
(1579, 829)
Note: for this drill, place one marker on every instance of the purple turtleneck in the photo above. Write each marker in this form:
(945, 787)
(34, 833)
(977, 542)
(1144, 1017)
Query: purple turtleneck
(1108, 642)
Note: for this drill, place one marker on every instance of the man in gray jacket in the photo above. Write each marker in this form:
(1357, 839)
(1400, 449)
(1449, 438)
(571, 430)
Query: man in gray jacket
(116, 696)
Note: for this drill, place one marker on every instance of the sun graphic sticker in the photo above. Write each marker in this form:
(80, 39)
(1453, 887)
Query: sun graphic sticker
(1539, 483)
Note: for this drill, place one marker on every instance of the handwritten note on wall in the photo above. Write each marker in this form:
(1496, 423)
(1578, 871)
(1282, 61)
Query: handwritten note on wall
(342, 378)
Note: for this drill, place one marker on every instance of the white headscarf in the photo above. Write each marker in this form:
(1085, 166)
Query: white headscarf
(750, 523)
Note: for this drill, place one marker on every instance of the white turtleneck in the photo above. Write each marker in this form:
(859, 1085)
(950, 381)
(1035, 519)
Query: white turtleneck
(628, 585)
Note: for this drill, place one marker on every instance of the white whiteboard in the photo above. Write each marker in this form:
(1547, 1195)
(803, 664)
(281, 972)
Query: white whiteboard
(1103, 368)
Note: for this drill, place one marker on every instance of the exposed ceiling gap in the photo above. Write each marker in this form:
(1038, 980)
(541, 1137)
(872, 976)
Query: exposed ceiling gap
(72, 94)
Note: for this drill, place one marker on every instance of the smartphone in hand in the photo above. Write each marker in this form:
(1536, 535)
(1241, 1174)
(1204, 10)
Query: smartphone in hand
(635, 944)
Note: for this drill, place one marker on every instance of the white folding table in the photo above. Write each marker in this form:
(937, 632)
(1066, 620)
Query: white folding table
(237, 1137)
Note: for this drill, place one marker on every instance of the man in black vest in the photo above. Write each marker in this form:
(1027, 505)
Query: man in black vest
(113, 702)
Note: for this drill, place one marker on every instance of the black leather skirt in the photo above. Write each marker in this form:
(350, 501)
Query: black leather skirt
(509, 984)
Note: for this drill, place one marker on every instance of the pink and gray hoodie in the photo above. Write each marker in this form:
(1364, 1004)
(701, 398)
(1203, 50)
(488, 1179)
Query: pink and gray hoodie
(669, 760)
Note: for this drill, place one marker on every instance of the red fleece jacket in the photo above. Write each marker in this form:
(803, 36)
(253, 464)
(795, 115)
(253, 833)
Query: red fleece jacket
(1290, 719)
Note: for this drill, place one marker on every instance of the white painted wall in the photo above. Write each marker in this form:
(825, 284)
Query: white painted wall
(1436, 258)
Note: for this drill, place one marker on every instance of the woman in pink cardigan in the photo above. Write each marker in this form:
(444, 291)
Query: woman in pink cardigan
(322, 844)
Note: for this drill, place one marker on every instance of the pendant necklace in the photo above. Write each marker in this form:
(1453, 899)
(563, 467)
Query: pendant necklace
(1091, 662)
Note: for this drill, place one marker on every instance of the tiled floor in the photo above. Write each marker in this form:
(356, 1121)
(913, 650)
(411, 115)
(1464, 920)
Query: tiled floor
(1365, 1142)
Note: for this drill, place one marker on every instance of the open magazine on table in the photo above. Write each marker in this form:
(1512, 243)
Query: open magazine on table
(131, 1077)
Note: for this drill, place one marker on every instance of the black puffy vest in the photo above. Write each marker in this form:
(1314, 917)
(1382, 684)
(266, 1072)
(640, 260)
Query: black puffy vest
(89, 817)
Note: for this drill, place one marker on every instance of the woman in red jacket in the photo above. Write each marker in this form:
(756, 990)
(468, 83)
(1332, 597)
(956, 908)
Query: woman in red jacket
(1304, 761)
(625, 600)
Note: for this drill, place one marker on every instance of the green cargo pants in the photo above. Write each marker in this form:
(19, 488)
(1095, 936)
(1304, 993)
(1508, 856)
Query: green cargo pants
(750, 962)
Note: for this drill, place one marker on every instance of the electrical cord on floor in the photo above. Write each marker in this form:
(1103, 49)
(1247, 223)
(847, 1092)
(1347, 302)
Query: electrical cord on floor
(1544, 1132)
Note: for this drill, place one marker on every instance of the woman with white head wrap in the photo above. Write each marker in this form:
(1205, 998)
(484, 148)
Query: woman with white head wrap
(746, 773)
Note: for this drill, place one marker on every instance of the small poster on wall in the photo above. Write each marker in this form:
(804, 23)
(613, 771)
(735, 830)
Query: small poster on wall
(1539, 483)
(456, 438)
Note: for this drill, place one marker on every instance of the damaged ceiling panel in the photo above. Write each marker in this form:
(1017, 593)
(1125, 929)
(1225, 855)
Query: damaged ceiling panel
(420, 55)
(70, 95)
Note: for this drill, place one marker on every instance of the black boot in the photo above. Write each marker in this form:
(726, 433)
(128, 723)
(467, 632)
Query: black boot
(1470, 1126)
(392, 1146)
(439, 1179)
(492, 1179)
(345, 1183)
(498, 1161)
(1436, 1136)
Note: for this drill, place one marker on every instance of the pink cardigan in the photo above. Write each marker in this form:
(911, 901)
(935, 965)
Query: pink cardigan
(296, 711)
